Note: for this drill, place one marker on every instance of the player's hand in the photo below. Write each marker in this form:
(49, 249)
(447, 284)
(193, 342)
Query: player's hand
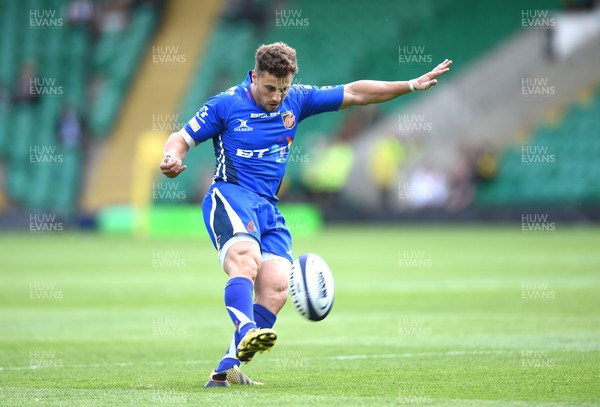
(429, 79)
(171, 167)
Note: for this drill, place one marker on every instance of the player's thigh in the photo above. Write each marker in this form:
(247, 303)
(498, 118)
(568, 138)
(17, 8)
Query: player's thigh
(242, 257)
(230, 219)
(275, 237)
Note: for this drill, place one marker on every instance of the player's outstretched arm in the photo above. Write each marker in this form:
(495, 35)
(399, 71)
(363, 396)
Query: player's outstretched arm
(176, 149)
(367, 92)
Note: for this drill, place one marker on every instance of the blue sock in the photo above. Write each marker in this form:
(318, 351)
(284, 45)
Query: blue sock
(230, 358)
(238, 301)
(264, 319)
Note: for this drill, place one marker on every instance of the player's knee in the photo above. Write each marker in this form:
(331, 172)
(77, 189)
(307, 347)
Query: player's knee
(242, 261)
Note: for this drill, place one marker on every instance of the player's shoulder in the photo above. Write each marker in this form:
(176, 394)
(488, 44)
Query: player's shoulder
(306, 89)
(231, 92)
(299, 92)
(228, 95)
(301, 88)
(224, 101)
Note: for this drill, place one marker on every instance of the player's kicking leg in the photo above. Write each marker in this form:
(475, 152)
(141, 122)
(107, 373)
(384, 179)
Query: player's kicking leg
(271, 295)
(242, 262)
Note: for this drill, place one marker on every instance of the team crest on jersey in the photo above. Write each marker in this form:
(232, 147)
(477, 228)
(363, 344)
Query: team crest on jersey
(288, 118)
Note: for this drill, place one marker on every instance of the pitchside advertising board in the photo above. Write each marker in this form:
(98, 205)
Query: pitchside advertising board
(303, 220)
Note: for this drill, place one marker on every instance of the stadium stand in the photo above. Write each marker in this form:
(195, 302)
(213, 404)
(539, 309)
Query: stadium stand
(152, 102)
(38, 35)
(116, 56)
(559, 165)
(78, 58)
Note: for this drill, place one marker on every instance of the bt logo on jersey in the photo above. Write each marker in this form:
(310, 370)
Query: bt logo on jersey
(278, 153)
(250, 153)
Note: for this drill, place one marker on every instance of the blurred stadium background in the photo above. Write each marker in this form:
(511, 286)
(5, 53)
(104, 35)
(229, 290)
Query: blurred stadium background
(89, 91)
(507, 146)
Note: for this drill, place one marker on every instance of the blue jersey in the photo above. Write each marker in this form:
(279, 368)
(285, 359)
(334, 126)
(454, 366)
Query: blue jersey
(252, 145)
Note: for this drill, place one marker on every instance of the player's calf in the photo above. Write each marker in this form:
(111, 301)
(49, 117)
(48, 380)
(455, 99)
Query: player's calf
(271, 285)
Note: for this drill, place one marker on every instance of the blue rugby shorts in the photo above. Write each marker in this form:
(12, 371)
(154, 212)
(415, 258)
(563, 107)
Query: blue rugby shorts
(232, 213)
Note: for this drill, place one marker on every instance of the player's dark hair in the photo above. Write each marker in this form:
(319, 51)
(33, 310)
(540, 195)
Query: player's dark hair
(278, 59)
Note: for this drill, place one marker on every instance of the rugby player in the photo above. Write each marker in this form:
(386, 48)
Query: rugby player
(252, 127)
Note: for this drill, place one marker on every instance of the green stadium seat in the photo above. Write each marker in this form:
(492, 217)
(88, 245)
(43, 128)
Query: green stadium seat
(571, 178)
(63, 55)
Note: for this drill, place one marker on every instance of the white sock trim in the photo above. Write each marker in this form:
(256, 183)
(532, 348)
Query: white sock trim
(244, 320)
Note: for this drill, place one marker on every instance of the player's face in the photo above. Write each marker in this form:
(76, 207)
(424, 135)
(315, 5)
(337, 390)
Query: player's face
(269, 90)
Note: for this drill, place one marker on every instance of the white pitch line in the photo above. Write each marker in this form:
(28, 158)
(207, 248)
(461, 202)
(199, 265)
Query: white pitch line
(119, 364)
(412, 355)
(195, 362)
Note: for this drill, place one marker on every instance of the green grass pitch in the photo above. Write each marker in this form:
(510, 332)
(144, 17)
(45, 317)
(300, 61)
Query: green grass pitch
(477, 316)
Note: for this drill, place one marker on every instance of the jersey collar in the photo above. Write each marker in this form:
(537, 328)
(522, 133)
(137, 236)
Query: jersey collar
(247, 87)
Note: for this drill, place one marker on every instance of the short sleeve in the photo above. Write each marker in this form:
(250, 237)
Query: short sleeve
(315, 100)
(208, 121)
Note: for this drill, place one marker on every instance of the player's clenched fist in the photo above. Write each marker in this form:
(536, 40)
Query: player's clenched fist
(171, 167)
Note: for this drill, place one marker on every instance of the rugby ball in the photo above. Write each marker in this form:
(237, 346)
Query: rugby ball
(311, 287)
